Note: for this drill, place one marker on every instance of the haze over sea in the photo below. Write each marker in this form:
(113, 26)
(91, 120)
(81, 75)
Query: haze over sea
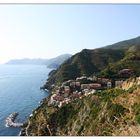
(20, 92)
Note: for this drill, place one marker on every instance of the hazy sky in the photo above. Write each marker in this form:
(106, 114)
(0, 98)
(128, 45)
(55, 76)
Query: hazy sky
(45, 31)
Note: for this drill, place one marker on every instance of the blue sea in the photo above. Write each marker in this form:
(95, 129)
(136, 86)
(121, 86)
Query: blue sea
(20, 92)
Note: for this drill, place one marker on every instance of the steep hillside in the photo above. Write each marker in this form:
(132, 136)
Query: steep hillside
(113, 112)
(86, 62)
(131, 60)
(106, 112)
(106, 62)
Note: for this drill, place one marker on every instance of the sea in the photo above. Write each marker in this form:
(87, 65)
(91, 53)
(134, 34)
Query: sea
(20, 92)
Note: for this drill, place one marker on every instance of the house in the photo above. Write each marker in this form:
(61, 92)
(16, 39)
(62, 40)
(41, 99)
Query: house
(85, 86)
(80, 93)
(57, 91)
(118, 83)
(75, 92)
(56, 103)
(67, 83)
(60, 104)
(105, 80)
(81, 78)
(109, 84)
(86, 91)
(67, 89)
(125, 72)
(77, 83)
(58, 98)
(99, 80)
(73, 84)
(65, 95)
(74, 96)
(94, 78)
(67, 100)
(92, 91)
(90, 78)
(60, 89)
(95, 86)
(51, 99)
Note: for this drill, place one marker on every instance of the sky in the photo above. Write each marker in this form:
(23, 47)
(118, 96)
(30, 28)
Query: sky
(46, 31)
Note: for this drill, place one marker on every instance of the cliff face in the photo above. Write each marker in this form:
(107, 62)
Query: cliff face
(109, 112)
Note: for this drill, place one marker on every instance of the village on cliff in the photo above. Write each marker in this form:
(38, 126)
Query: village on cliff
(83, 86)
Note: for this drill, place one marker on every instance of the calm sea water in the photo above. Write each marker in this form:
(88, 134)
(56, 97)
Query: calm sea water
(20, 92)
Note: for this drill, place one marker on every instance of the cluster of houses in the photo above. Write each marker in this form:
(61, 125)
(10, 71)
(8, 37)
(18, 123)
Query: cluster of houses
(125, 73)
(75, 89)
(82, 86)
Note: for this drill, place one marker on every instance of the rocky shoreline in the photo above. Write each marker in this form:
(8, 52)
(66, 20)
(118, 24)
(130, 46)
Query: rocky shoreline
(10, 121)
(24, 130)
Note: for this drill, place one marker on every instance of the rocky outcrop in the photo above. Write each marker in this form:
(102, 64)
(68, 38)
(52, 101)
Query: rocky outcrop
(10, 121)
(131, 83)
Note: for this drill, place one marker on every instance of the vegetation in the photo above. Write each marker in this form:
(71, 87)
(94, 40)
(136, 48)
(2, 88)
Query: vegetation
(105, 62)
(110, 93)
(136, 109)
(108, 112)
(104, 113)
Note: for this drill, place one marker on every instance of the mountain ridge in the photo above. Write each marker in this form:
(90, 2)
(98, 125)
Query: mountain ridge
(105, 61)
(124, 44)
(50, 63)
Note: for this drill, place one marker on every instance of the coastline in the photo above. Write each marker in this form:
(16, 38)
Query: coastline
(93, 110)
(24, 129)
(69, 100)
(45, 101)
(20, 80)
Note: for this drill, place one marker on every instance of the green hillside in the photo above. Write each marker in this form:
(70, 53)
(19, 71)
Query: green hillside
(131, 60)
(106, 62)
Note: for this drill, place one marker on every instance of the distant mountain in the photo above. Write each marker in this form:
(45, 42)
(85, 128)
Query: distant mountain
(105, 61)
(50, 63)
(55, 62)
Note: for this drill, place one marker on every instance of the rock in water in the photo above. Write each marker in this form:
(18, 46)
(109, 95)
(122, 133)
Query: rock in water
(10, 120)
